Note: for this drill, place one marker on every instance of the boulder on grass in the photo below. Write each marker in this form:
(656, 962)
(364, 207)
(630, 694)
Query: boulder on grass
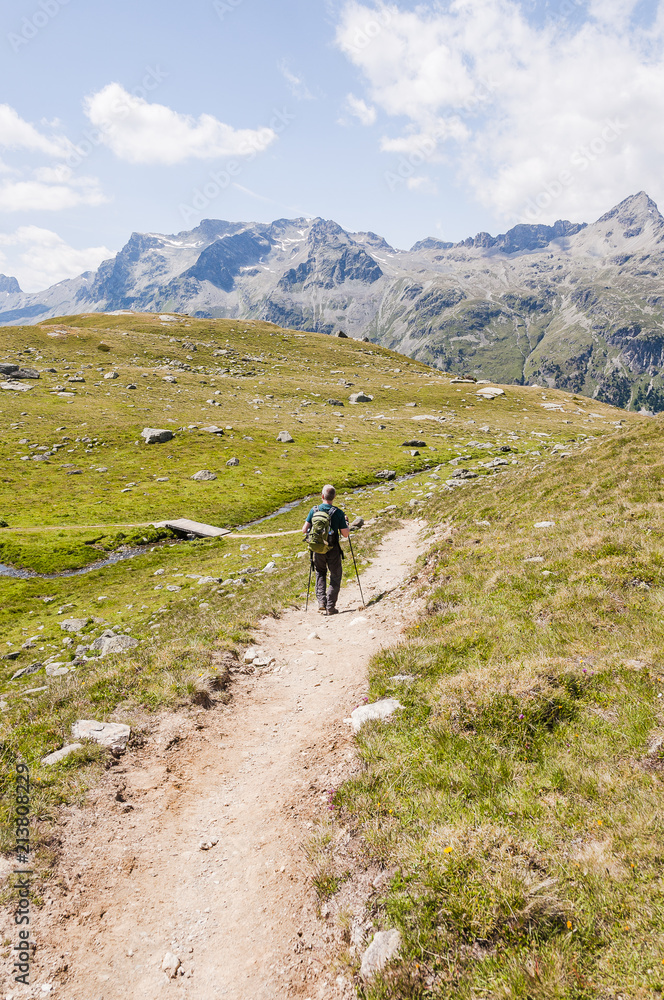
(285, 438)
(154, 435)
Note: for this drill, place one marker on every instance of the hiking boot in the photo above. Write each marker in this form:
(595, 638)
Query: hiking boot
(322, 610)
(332, 611)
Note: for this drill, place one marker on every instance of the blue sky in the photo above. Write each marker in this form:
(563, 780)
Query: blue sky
(409, 119)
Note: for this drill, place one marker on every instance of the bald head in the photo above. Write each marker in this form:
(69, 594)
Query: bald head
(328, 493)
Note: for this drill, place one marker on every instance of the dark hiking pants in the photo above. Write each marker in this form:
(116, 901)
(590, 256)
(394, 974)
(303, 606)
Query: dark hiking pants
(324, 563)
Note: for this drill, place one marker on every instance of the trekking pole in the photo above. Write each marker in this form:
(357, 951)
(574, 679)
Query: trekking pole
(356, 573)
(311, 566)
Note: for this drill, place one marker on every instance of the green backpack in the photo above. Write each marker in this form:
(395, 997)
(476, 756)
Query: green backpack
(318, 538)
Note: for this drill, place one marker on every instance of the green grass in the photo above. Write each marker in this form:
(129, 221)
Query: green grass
(507, 752)
(518, 796)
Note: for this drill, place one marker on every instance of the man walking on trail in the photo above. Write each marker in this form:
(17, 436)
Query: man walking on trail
(322, 528)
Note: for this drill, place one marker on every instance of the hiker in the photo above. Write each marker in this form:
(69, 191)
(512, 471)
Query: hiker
(321, 529)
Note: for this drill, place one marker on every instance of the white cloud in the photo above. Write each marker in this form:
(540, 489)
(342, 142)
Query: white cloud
(296, 84)
(15, 133)
(39, 257)
(543, 121)
(422, 184)
(361, 110)
(52, 190)
(140, 132)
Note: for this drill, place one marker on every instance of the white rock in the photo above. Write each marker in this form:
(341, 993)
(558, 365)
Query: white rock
(313, 635)
(357, 621)
(384, 946)
(206, 845)
(535, 559)
(490, 392)
(56, 670)
(111, 375)
(382, 709)
(170, 964)
(360, 397)
(117, 644)
(173, 588)
(155, 435)
(159, 572)
(107, 734)
(204, 476)
(403, 678)
(18, 386)
(270, 566)
(74, 624)
(284, 437)
(545, 524)
(207, 579)
(53, 758)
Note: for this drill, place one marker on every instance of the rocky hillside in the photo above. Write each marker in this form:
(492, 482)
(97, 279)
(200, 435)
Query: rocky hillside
(571, 306)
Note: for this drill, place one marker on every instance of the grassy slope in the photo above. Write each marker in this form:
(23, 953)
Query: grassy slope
(518, 797)
(470, 629)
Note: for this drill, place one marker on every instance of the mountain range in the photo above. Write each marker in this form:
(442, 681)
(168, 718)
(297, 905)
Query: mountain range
(572, 306)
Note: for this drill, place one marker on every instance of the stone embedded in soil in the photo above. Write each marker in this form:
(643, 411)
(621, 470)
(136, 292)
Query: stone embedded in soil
(285, 438)
(117, 644)
(171, 965)
(384, 946)
(206, 845)
(59, 755)
(204, 476)
(74, 624)
(154, 435)
(388, 474)
(26, 671)
(360, 397)
(413, 444)
(334, 402)
(545, 524)
(233, 462)
(382, 709)
(108, 734)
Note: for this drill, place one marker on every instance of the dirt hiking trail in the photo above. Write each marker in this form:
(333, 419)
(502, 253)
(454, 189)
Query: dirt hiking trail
(133, 882)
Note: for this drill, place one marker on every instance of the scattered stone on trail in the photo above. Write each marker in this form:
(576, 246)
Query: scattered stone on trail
(253, 653)
(334, 402)
(360, 397)
(204, 476)
(357, 523)
(545, 524)
(26, 671)
(154, 435)
(384, 946)
(357, 621)
(59, 755)
(171, 965)
(232, 462)
(388, 474)
(206, 845)
(413, 444)
(113, 735)
(285, 438)
(74, 624)
(111, 375)
(313, 635)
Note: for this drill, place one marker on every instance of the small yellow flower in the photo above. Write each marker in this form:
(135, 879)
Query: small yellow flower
(448, 850)
(599, 822)
(569, 925)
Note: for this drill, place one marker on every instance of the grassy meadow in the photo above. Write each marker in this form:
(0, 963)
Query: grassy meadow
(516, 801)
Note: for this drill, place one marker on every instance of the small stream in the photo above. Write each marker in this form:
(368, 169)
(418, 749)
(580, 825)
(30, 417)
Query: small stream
(28, 574)
(121, 556)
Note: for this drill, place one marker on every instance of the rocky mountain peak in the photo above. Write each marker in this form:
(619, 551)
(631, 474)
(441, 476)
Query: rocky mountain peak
(638, 208)
(9, 285)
